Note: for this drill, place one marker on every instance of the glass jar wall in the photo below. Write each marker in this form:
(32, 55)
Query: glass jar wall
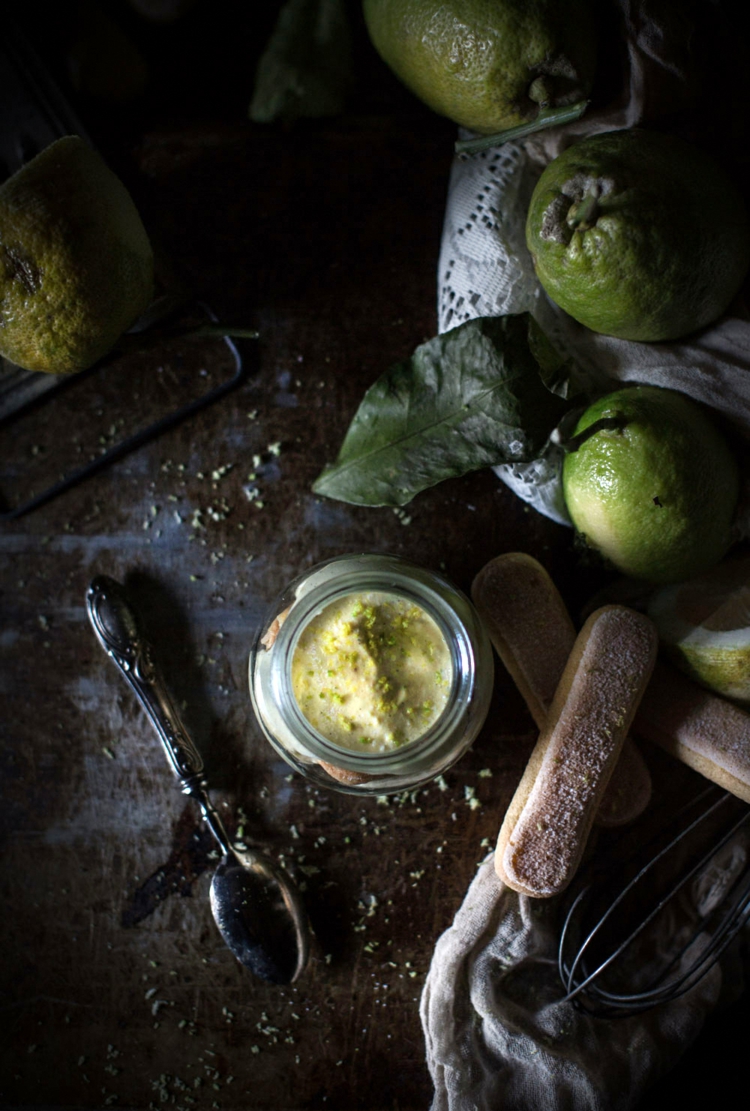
(371, 675)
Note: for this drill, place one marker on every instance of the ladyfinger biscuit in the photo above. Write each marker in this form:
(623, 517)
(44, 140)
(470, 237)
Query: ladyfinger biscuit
(529, 626)
(704, 731)
(344, 775)
(547, 825)
(533, 635)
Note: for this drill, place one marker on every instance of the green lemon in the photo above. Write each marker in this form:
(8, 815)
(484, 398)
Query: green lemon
(654, 488)
(638, 235)
(704, 625)
(76, 265)
(487, 64)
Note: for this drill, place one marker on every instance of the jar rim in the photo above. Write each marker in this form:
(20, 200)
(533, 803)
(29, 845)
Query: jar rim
(462, 668)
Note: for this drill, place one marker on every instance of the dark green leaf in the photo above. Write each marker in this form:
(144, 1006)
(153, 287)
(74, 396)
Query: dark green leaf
(306, 69)
(471, 398)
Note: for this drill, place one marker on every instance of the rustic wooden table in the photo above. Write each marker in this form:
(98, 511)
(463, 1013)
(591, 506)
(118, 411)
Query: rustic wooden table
(117, 989)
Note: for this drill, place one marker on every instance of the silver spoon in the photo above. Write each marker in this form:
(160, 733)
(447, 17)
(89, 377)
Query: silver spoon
(256, 906)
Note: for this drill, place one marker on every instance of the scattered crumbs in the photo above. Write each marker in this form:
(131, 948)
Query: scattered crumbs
(470, 798)
(485, 773)
(441, 784)
(108, 752)
(274, 449)
(219, 512)
(402, 515)
(43, 621)
(308, 869)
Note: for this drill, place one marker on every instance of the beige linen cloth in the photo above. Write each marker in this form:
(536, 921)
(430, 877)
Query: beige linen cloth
(499, 1039)
(496, 1035)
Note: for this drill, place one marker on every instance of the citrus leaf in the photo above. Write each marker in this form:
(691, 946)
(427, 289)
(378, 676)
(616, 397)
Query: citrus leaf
(306, 68)
(471, 398)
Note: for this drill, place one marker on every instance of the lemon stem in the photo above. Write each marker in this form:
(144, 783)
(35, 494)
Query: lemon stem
(136, 341)
(615, 423)
(584, 215)
(547, 117)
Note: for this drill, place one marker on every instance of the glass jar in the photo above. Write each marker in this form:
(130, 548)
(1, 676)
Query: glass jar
(371, 584)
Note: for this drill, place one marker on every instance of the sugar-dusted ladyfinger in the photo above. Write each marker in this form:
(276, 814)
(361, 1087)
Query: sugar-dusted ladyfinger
(547, 825)
(533, 635)
(701, 729)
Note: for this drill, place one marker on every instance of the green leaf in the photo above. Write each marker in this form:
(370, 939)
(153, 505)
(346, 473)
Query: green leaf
(306, 68)
(471, 398)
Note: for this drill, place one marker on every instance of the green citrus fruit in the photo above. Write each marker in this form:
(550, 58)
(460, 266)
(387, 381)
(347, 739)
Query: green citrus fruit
(704, 625)
(76, 265)
(656, 491)
(638, 235)
(487, 64)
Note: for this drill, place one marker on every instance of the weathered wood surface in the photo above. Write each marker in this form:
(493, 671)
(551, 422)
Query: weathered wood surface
(117, 989)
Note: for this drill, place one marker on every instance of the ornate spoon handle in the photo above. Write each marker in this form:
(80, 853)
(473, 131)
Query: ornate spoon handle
(117, 628)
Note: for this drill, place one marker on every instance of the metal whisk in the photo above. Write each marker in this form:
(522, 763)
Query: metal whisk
(645, 937)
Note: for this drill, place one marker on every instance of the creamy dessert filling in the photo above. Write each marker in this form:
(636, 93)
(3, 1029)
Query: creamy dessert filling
(372, 671)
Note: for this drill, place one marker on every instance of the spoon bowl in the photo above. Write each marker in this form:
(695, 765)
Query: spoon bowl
(260, 916)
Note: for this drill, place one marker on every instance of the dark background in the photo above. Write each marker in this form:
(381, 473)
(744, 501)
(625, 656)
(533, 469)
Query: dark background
(116, 988)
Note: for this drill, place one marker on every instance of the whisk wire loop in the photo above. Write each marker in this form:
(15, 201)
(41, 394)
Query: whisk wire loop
(582, 968)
